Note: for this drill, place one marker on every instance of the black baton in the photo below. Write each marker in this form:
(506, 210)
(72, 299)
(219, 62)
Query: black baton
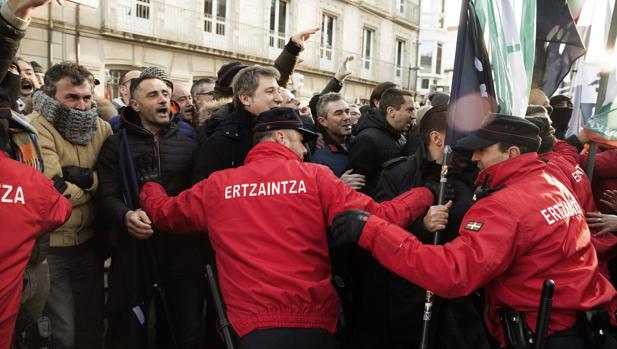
(544, 313)
(223, 324)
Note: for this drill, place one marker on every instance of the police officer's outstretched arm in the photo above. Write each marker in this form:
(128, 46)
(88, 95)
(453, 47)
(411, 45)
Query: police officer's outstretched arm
(336, 197)
(185, 213)
(485, 249)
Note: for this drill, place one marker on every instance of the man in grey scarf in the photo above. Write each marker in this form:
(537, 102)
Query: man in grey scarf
(71, 136)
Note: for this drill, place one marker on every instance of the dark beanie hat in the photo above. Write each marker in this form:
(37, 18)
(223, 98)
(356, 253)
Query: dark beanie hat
(502, 129)
(225, 76)
(558, 99)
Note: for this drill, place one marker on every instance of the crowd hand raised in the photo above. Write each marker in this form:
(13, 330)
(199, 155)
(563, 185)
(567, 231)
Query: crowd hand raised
(436, 217)
(344, 71)
(138, 224)
(609, 198)
(300, 38)
(605, 222)
(23, 8)
(354, 180)
(348, 226)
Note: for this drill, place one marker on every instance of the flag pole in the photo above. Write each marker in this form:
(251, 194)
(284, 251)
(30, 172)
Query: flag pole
(604, 75)
(447, 150)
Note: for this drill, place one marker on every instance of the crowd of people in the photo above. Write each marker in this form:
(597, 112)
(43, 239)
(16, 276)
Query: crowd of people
(319, 218)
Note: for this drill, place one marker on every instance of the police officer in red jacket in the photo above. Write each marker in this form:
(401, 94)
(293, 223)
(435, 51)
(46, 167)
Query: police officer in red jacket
(526, 227)
(267, 223)
(29, 207)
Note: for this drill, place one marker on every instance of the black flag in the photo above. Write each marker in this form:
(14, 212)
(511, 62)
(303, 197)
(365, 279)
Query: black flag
(558, 44)
(473, 92)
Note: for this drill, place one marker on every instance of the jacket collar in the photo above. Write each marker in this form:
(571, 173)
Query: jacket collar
(510, 170)
(333, 146)
(266, 150)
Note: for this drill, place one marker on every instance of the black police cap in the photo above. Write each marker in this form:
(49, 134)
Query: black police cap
(282, 119)
(502, 129)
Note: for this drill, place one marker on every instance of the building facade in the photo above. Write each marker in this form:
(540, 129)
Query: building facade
(191, 39)
(433, 37)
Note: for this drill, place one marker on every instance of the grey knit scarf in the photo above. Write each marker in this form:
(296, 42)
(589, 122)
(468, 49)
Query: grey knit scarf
(76, 126)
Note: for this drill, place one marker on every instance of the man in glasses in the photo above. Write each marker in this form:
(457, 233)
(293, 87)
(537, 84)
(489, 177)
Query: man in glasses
(202, 92)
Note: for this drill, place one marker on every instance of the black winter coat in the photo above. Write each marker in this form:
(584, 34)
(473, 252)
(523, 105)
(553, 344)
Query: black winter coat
(456, 323)
(375, 143)
(225, 142)
(175, 254)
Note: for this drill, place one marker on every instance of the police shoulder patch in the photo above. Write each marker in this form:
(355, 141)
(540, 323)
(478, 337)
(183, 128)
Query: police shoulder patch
(474, 226)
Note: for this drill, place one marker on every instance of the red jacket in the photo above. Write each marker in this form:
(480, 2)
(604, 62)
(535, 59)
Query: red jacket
(565, 159)
(604, 175)
(531, 230)
(29, 206)
(267, 224)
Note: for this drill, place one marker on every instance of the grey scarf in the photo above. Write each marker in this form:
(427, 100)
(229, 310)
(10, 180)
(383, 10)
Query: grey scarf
(76, 126)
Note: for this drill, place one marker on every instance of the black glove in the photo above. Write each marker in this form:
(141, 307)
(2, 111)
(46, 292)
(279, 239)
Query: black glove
(80, 176)
(59, 184)
(449, 194)
(147, 169)
(348, 226)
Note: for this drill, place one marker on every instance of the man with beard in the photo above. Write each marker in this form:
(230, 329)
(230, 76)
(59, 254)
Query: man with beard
(29, 81)
(182, 96)
(71, 136)
(147, 133)
(379, 137)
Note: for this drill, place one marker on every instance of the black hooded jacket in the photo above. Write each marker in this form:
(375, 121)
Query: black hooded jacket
(375, 143)
(457, 322)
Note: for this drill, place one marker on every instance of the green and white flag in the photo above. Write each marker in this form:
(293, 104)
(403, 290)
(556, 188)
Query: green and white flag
(509, 28)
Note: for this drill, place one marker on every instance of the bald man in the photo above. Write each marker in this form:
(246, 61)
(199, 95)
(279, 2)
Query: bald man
(182, 96)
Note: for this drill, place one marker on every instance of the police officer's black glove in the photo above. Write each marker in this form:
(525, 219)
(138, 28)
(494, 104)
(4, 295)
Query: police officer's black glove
(347, 226)
(449, 194)
(147, 169)
(80, 176)
(59, 184)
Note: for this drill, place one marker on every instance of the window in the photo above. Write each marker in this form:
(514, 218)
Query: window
(278, 23)
(327, 36)
(367, 48)
(426, 57)
(401, 6)
(425, 83)
(215, 13)
(142, 9)
(400, 54)
(441, 14)
(438, 59)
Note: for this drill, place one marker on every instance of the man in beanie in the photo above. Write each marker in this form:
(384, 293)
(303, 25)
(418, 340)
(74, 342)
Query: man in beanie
(525, 227)
(285, 205)
(71, 136)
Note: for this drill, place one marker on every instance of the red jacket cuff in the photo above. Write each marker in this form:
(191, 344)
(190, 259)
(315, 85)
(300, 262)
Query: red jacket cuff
(380, 236)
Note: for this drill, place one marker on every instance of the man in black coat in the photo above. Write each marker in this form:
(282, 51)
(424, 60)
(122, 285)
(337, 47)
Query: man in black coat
(255, 91)
(142, 258)
(456, 323)
(380, 136)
